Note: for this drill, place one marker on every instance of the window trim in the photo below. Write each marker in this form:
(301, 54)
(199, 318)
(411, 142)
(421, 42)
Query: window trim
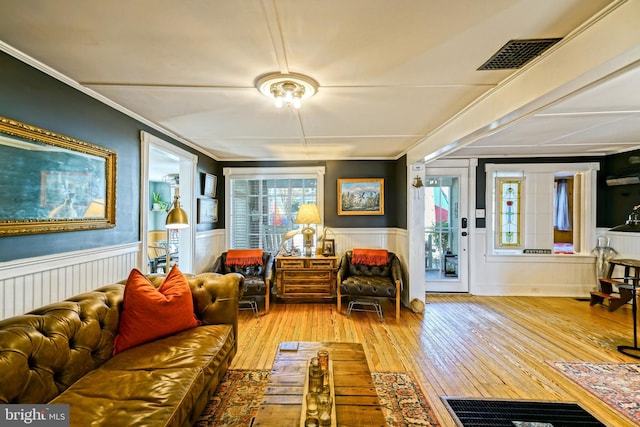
(295, 172)
(588, 170)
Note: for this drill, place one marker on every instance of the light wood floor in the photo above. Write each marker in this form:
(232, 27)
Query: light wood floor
(461, 345)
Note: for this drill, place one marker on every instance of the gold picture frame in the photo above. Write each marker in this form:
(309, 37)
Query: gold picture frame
(361, 196)
(58, 183)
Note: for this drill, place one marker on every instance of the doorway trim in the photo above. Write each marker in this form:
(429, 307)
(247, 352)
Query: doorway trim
(188, 169)
(461, 282)
(415, 220)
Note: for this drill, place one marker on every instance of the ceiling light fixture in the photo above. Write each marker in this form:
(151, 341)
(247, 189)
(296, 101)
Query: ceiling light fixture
(288, 89)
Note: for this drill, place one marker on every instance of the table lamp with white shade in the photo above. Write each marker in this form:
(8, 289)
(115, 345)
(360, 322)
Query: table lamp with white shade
(308, 214)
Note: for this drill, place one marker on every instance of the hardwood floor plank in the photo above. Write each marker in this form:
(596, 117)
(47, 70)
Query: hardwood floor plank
(494, 347)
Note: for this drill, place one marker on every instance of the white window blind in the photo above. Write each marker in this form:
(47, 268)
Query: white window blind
(263, 205)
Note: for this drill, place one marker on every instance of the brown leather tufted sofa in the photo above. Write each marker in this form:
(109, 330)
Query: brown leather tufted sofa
(62, 353)
(374, 281)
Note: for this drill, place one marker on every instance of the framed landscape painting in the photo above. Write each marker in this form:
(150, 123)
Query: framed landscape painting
(361, 196)
(207, 211)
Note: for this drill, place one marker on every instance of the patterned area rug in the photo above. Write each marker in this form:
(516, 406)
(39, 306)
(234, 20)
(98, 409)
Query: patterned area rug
(238, 397)
(617, 384)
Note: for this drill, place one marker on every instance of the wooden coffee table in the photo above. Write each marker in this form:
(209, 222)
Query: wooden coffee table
(356, 400)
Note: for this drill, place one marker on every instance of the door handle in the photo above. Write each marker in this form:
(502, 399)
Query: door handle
(464, 233)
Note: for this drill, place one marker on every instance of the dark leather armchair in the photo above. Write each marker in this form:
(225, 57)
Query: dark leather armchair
(370, 281)
(257, 278)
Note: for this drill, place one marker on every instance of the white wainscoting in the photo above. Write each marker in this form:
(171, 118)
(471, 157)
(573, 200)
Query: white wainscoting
(30, 283)
(529, 275)
(386, 238)
(627, 245)
(209, 245)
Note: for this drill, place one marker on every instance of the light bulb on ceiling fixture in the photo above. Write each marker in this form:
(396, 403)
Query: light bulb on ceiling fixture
(291, 88)
(297, 96)
(277, 95)
(288, 88)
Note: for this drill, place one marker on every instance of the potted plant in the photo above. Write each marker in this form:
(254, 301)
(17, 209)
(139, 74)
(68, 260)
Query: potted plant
(158, 204)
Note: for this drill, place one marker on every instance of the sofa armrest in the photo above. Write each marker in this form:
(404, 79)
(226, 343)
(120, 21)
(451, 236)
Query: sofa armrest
(215, 298)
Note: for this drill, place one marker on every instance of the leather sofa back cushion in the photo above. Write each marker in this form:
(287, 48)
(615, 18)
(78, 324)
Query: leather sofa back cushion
(149, 313)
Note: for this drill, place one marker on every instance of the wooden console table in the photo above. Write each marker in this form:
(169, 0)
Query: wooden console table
(626, 292)
(309, 279)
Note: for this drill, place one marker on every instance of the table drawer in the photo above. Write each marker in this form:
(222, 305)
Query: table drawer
(290, 263)
(321, 263)
(307, 288)
(306, 275)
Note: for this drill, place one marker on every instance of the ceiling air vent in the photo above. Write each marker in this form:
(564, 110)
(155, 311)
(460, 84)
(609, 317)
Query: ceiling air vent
(516, 53)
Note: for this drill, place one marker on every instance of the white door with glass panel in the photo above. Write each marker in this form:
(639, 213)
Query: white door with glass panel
(446, 230)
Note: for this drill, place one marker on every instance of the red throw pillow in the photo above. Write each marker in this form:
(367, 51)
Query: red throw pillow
(149, 313)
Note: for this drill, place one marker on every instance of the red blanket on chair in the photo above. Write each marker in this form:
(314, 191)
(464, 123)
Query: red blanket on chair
(244, 257)
(370, 256)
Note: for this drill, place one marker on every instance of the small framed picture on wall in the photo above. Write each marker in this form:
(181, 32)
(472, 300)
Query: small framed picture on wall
(209, 185)
(207, 211)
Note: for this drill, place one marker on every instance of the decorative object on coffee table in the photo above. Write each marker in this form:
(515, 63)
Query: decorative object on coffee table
(283, 400)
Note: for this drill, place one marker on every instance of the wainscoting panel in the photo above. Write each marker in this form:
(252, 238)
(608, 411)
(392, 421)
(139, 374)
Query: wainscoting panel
(627, 245)
(529, 275)
(349, 238)
(209, 245)
(31, 283)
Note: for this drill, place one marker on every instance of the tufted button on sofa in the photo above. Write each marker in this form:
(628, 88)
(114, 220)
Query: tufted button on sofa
(369, 280)
(257, 277)
(62, 354)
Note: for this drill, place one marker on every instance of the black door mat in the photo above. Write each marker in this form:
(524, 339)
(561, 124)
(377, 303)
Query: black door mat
(472, 412)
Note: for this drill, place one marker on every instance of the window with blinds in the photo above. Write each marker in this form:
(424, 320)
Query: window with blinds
(263, 209)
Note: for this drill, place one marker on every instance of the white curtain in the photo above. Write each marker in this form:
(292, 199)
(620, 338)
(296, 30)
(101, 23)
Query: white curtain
(561, 218)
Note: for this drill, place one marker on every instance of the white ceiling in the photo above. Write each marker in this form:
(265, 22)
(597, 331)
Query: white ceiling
(396, 76)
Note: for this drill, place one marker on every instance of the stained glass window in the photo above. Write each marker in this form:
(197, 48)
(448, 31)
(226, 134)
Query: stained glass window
(509, 212)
